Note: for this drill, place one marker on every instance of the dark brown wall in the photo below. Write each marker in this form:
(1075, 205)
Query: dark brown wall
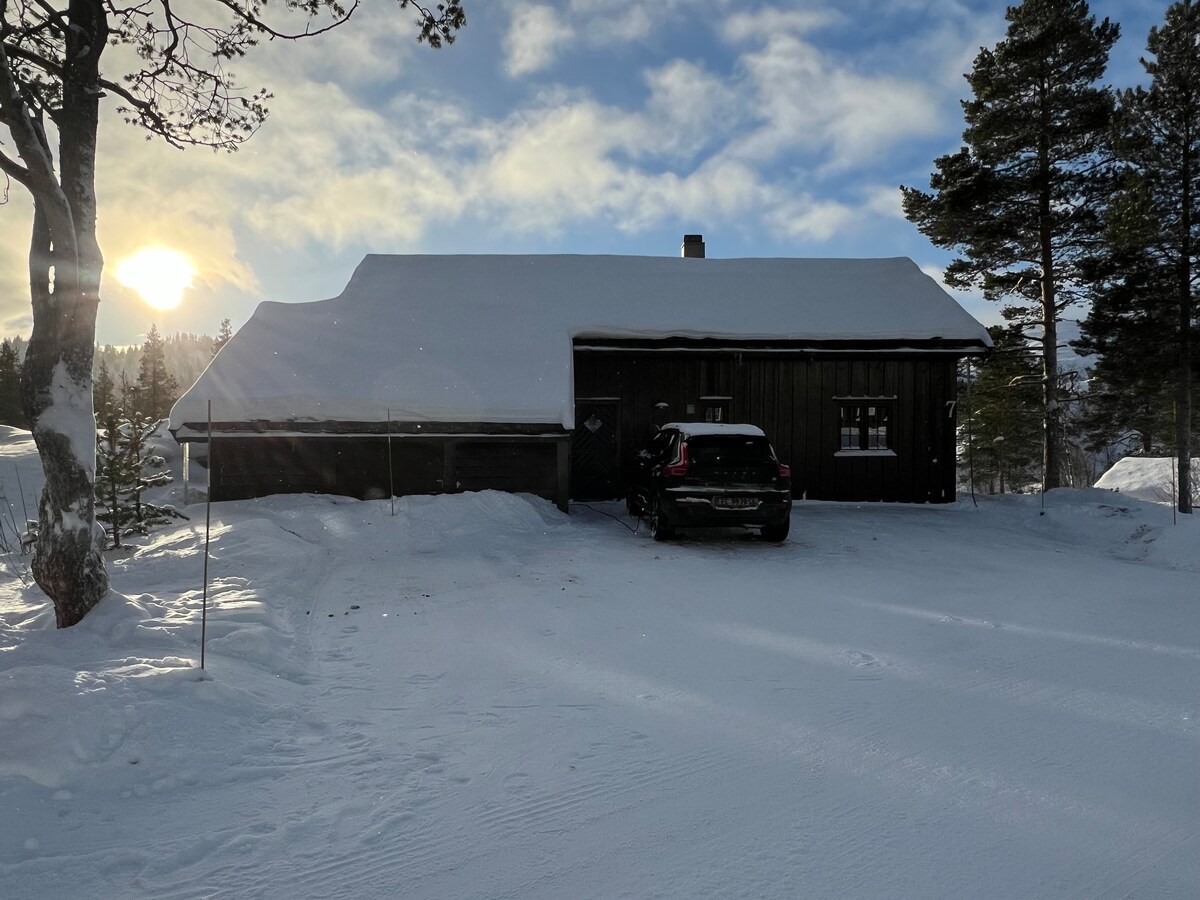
(792, 398)
(355, 466)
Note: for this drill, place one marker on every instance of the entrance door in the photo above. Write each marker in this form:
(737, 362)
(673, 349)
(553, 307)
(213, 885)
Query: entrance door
(596, 449)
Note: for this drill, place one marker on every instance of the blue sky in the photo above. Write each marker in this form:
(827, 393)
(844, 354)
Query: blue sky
(554, 126)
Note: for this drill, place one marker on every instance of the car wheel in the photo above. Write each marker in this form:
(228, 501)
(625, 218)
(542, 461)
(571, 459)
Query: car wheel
(660, 528)
(777, 533)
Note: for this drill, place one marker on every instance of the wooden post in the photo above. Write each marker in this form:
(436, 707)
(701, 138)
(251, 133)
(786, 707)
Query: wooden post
(391, 477)
(564, 473)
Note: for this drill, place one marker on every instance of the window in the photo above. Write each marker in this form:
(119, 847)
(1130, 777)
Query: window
(865, 425)
(715, 409)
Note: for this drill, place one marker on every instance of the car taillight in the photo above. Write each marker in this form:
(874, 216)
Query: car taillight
(680, 466)
(785, 471)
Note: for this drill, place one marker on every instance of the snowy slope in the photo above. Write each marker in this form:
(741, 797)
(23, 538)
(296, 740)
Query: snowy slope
(1147, 478)
(488, 338)
(481, 697)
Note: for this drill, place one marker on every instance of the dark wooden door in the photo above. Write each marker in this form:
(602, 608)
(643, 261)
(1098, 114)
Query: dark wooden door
(596, 450)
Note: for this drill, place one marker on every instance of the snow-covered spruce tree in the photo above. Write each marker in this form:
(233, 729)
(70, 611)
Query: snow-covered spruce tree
(1145, 324)
(1021, 201)
(156, 390)
(111, 460)
(178, 88)
(125, 470)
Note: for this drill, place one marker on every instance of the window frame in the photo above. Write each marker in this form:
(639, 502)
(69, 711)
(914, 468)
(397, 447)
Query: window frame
(867, 427)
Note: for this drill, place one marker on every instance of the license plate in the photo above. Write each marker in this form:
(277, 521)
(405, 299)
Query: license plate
(735, 502)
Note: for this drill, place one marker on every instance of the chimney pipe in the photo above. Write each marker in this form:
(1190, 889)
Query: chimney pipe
(693, 246)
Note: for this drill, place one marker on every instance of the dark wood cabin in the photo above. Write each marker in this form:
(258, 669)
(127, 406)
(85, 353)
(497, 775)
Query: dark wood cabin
(545, 374)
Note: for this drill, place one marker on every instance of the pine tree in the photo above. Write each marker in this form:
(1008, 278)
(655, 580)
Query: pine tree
(11, 412)
(1021, 200)
(223, 336)
(1144, 325)
(1001, 432)
(156, 390)
(1128, 400)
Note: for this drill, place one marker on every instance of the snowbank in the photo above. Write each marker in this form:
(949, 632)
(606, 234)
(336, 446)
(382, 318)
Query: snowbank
(1147, 478)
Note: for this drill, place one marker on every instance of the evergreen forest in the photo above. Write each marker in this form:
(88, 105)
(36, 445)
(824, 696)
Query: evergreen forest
(146, 378)
(1076, 206)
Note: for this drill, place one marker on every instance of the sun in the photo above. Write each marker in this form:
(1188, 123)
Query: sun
(160, 275)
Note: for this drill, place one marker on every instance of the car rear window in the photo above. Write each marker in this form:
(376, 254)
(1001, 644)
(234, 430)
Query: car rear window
(729, 450)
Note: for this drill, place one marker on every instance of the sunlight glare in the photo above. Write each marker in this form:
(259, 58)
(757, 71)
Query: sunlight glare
(160, 275)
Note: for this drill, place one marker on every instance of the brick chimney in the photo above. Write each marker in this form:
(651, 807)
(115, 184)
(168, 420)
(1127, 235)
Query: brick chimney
(693, 246)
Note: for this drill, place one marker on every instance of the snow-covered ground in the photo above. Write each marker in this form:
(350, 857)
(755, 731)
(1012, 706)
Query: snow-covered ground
(481, 697)
(1147, 478)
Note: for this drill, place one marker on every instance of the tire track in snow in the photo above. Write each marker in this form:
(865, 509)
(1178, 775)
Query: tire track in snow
(1087, 704)
(1075, 637)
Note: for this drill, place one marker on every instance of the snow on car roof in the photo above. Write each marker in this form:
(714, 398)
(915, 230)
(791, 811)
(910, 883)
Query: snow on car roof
(489, 338)
(695, 429)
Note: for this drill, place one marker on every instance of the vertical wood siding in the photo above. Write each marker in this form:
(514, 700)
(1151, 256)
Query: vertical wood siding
(792, 398)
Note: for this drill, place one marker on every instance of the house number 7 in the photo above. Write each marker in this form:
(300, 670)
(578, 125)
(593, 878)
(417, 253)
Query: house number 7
(950, 404)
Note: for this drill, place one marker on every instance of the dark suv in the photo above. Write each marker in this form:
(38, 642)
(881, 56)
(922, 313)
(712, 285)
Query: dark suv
(698, 474)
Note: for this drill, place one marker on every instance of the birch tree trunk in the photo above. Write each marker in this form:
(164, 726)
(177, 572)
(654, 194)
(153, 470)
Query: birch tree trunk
(64, 275)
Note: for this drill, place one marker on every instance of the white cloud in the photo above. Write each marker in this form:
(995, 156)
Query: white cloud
(16, 317)
(556, 164)
(606, 22)
(884, 200)
(766, 21)
(688, 108)
(376, 46)
(536, 35)
(810, 102)
(805, 218)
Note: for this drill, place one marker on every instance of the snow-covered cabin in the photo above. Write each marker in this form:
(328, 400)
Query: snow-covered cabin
(546, 373)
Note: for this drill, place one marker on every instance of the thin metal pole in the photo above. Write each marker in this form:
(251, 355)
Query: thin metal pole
(1049, 437)
(1176, 485)
(207, 535)
(24, 507)
(970, 435)
(391, 477)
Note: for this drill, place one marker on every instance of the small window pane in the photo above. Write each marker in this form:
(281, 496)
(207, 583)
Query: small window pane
(851, 427)
(878, 420)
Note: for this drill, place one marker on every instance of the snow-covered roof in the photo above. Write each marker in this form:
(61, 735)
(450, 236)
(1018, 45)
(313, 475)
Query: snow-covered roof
(489, 338)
